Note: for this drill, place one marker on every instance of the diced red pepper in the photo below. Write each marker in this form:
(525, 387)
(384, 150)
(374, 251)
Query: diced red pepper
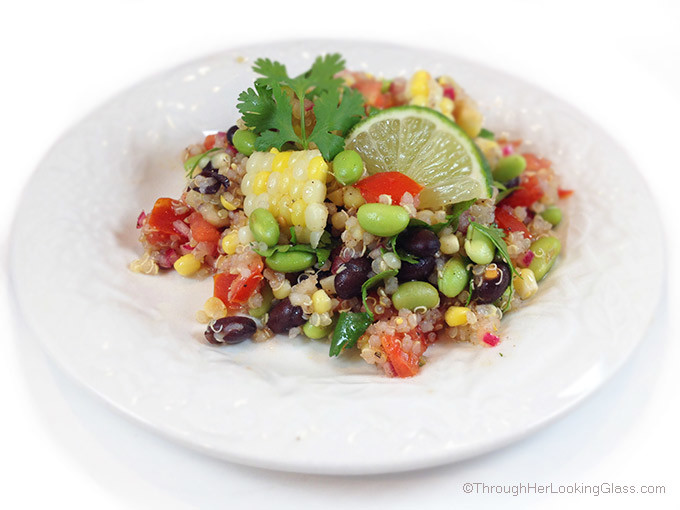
(529, 192)
(234, 289)
(202, 230)
(564, 193)
(506, 220)
(242, 288)
(394, 184)
(221, 285)
(209, 142)
(449, 92)
(491, 339)
(404, 364)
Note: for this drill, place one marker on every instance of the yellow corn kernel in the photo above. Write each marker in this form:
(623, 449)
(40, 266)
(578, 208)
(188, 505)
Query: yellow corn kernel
(525, 284)
(187, 265)
(321, 302)
(283, 291)
(280, 161)
(316, 217)
(456, 315)
(468, 118)
(420, 85)
(317, 169)
(419, 100)
(446, 105)
(297, 213)
(314, 191)
(227, 205)
(260, 182)
(352, 197)
(449, 244)
(230, 243)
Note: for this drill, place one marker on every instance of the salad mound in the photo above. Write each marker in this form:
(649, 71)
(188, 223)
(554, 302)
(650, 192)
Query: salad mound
(373, 214)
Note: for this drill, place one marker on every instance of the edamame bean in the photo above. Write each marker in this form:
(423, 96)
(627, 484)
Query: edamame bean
(479, 248)
(552, 215)
(264, 226)
(348, 167)
(316, 332)
(382, 220)
(412, 295)
(244, 141)
(290, 261)
(454, 277)
(545, 250)
(509, 167)
(267, 297)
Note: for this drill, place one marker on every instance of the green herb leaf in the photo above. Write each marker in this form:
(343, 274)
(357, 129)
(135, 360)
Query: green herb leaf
(350, 326)
(403, 256)
(374, 280)
(495, 235)
(485, 133)
(323, 249)
(335, 116)
(293, 236)
(191, 163)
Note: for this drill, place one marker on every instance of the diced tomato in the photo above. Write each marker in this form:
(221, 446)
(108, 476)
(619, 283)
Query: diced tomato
(491, 339)
(529, 192)
(534, 162)
(202, 230)
(161, 222)
(370, 89)
(564, 193)
(221, 285)
(394, 184)
(234, 289)
(506, 220)
(209, 142)
(404, 364)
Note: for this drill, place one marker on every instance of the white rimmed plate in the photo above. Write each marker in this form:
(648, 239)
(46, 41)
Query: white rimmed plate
(284, 404)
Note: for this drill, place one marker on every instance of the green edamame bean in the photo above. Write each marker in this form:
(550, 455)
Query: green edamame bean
(316, 332)
(412, 295)
(348, 167)
(546, 250)
(267, 297)
(454, 277)
(552, 215)
(290, 261)
(509, 167)
(382, 220)
(479, 248)
(244, 141)
(264, 227)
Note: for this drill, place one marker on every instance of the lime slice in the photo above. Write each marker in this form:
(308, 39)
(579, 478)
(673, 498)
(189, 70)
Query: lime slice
(428, 147)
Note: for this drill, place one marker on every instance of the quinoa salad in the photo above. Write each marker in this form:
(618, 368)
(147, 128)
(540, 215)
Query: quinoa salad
(375, 214)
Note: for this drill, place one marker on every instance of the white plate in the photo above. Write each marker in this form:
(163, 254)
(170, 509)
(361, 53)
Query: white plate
(284, 404)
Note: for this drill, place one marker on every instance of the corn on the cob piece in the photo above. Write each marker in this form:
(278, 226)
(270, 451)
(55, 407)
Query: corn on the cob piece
(292, 186)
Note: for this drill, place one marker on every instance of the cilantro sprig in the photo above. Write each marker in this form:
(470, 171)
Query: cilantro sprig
(268, 107)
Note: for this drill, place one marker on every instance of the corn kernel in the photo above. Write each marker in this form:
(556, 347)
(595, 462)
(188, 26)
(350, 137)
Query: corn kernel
(316, 216)
(456, 315)
(226, 204)
(321, 302)
(468, 118)
(260, 182)
(420, 85)
(449, 244)
(274, 150)
(446, 106)
(283, 291)
(314, 191)
(187, 265)
(214, 308)
(229, 243)
(352, 197)
(317, 169)
(245, 236)
(419, 100)
(525, 284)
(297, 213)
(280, 161)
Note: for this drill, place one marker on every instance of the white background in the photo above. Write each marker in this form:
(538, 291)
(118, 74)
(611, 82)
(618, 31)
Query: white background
(616, 61)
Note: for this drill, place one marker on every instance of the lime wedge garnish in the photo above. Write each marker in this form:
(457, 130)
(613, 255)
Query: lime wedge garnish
(428, 147)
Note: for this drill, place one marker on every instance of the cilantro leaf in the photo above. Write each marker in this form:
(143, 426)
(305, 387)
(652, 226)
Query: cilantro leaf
(270, 70)
(322, 73)
(374, 280)
(333, 115)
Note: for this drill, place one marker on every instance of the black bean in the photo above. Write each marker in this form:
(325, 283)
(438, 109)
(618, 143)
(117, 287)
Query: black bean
(212, 188)
(488, 288)
(420, 271)
(230, 134)
(512, 183)
(285, 316)
(420, 242)
(230, 330)
(348, 281)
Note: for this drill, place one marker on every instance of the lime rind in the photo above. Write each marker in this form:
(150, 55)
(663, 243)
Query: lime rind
(428, 147)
